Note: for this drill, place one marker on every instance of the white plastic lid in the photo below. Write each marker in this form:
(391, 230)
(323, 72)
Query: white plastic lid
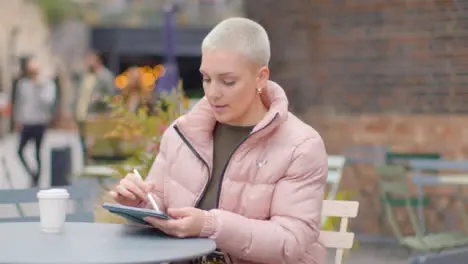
(53, 193)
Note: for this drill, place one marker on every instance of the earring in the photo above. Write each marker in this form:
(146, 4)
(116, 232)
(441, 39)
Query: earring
(259, 90)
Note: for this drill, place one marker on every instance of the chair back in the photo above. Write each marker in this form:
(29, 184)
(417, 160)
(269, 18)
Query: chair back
(335, 167)
(392, 180)
(335, 171)
(427, 172)
(82, 194)
(426, 164)
(341, 239)
(366, 154)
(394, 186)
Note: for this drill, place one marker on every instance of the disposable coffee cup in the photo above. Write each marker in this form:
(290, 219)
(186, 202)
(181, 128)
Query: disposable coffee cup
(53, 209)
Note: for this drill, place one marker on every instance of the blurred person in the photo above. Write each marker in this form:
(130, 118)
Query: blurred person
(35, 99)
(239, 168)
(95, 85)
(17, 76)
(134, 95)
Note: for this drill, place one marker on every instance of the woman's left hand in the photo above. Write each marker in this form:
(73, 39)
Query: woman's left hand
(186, 222)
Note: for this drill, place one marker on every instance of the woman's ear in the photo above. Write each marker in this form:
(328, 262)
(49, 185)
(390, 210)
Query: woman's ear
(263, 77)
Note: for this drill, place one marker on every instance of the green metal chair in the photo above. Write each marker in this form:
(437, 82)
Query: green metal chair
(404, 159)
(393, 185)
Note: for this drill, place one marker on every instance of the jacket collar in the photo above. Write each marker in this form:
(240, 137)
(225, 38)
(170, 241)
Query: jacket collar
(198, 124)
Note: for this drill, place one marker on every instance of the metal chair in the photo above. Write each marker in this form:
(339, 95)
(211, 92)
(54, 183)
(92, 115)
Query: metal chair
(435, 173)
(392, 183)
(341, 239)
(335, 168)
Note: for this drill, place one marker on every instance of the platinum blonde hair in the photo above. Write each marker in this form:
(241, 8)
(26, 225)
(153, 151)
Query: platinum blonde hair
(241, 35)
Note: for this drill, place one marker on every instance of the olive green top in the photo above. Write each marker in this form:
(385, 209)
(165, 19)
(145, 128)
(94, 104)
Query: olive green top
(226, 139)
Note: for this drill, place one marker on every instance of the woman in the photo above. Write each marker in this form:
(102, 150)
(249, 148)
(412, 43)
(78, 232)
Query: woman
(239, 168)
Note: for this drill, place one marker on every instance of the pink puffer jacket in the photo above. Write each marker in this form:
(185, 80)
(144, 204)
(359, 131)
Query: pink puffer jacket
(272, 191)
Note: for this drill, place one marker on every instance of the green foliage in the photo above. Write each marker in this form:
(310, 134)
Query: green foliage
(195, 93)
(56, 11)
(141, 132)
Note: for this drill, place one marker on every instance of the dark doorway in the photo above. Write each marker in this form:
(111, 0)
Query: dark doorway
(189, 71)
(127, 61)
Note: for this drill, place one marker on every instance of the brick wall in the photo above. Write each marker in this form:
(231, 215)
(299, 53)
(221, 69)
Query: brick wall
(374, 71)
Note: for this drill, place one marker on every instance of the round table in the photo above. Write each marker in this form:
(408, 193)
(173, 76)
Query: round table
(96, 243)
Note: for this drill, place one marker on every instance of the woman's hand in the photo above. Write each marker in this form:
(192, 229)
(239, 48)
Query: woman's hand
(131, 191)
(187, 222)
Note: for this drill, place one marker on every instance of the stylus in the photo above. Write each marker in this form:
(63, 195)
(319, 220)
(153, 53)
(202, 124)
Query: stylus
(150, 198)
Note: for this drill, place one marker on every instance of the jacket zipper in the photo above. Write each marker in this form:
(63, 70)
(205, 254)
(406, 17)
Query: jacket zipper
(232, 154)
(185, 140)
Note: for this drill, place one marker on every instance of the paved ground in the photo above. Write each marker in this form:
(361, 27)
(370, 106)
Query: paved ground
(53, 139)
(368, 254)
(363, 255)
(10, 164)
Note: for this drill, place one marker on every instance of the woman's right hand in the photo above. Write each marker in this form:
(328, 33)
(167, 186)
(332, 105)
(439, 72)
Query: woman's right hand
(131, 190)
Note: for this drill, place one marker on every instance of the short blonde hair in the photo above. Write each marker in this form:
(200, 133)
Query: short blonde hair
(240, 35)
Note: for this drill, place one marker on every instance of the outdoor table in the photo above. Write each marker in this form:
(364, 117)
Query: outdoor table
(441, 180)
(452, 256)
(96, 243)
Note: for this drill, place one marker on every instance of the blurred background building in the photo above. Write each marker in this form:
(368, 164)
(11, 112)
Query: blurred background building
(125, 32)
(389, 74)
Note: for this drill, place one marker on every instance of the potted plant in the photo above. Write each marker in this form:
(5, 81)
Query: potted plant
(139, 135)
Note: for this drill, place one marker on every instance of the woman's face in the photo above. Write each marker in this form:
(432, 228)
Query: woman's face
(230, 83)
(32, 67)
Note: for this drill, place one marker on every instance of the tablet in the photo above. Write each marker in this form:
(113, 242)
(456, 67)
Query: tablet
(134, 214)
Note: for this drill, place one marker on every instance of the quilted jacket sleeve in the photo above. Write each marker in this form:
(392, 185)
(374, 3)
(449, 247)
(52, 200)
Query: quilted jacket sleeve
(295, 214)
